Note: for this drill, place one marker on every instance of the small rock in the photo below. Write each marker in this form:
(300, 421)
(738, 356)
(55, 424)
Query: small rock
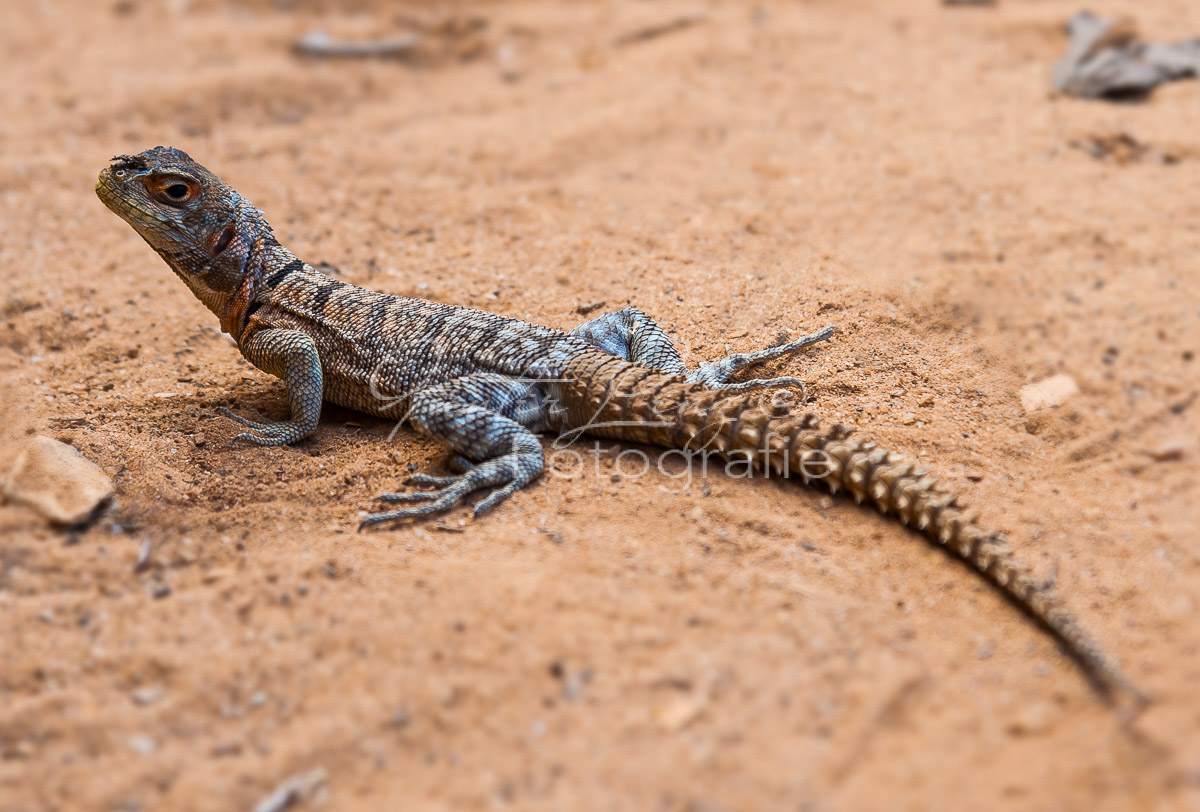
(160, 591)
(148, 695)
(678, 713)
(1048, 393)
(145, 549)
(292, 791)
(908, 419)
(142, 744)
(573, 687)
(1169, 452)
(57, 482)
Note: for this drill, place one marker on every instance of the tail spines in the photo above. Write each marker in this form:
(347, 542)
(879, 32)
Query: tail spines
(665, 410)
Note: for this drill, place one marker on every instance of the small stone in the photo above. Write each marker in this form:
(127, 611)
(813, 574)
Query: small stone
(1169, 452)
(46, 615)
(908, 419)
(160, 591)
(145, 550)
(56, 481)
(142, 744)
(1048, 393)
(293, 791)
(148, 695)
(199, 440)
(678, 713)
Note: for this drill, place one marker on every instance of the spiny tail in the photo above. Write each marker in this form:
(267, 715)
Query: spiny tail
(609, 397)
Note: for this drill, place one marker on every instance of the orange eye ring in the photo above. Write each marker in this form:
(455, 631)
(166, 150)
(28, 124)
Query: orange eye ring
(173, 190)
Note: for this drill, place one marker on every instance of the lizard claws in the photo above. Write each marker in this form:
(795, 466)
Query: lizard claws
(499, 473)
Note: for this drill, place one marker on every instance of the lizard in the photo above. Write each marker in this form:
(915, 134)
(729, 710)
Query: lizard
(486, 385)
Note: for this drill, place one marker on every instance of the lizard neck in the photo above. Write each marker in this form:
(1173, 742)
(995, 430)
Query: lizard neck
(236, 307)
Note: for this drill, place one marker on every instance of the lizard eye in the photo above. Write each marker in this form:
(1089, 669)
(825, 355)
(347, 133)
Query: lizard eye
(173, 190)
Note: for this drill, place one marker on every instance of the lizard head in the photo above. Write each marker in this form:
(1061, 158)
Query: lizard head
(201, 227)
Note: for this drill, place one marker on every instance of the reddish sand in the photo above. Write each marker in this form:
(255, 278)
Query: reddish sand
(899, 169)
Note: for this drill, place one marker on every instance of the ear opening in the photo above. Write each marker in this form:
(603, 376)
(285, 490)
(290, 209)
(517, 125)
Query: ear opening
(223, 241)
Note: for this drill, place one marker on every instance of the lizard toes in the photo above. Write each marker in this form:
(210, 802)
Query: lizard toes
(430, 481)
(255, 439)
(419, 511)
(419, 496)
(494, 498)
(245, 421)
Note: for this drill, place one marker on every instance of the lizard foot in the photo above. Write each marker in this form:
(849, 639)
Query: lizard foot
(267, 433)
(717, 374)
(503, 473)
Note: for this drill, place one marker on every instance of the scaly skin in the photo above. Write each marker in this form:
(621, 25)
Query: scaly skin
(483, 384)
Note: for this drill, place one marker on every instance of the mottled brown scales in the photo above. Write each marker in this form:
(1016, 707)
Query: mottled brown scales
(484, 385)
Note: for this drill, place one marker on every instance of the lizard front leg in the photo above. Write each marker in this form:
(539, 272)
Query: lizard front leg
(630, 334)
(292, 356)
(485, 419)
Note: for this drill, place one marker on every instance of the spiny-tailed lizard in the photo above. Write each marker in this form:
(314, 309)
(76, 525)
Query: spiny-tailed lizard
(485, 385)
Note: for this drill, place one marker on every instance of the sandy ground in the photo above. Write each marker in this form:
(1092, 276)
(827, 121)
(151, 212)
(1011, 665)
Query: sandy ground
(898, 169)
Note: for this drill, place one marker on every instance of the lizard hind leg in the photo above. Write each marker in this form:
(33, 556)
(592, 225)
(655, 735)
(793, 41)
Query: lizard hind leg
(630, 334)
(477, 417)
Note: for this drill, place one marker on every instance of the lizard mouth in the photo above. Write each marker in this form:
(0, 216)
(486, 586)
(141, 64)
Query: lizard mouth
(109, 188)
